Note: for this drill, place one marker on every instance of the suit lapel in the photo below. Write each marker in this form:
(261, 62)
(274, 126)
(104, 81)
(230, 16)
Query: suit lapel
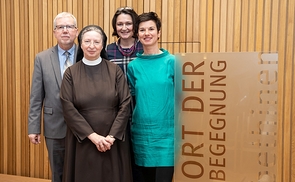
(75, 54)
(55, 65)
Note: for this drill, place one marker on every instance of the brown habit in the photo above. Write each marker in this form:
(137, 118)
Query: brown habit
(96, 99)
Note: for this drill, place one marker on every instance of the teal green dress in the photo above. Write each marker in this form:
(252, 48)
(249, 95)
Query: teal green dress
(151, 78)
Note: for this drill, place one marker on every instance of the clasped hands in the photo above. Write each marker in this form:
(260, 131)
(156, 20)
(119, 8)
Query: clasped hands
(102, 143)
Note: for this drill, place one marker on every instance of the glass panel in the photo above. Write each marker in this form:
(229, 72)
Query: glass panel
(226, 117)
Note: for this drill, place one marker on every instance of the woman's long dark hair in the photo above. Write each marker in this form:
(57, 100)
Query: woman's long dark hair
(80, 53)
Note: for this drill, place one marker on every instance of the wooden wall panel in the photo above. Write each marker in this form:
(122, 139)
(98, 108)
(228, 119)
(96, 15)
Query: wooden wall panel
(289, 53)
(286, 84)
(3, 91)
(187, 26)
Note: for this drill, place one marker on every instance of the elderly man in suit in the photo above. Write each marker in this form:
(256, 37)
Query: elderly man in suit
(49, 66)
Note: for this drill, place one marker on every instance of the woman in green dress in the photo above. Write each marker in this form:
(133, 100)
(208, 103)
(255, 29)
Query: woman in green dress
(151, 76)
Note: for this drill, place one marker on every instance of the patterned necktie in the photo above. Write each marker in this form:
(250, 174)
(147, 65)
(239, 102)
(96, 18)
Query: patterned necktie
(67, 62)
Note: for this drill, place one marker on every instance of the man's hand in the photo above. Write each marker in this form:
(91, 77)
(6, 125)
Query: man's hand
(35, 138)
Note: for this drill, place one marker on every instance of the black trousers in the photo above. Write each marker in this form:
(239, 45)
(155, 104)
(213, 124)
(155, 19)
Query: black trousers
(157, 174)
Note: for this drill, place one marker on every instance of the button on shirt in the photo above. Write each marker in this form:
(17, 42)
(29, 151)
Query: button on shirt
(62, 58)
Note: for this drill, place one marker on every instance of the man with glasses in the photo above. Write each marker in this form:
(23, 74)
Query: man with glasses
(49, 66)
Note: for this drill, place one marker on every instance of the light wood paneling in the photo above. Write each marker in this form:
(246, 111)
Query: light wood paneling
(187, 26)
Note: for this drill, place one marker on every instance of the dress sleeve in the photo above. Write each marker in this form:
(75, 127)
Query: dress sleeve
(74, 120)
(118, 128)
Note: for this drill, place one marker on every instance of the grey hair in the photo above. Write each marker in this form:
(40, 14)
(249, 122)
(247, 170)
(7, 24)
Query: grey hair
(89, 29)
(63, 15)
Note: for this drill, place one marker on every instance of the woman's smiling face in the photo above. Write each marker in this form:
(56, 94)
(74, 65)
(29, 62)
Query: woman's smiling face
(124, 26)
(148, 33)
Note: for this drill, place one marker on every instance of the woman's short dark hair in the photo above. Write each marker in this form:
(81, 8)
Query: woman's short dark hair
(103, 53)
(147, 17)
(128, 11)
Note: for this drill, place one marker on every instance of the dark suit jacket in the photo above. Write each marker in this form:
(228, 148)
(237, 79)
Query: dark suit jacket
(45, 90)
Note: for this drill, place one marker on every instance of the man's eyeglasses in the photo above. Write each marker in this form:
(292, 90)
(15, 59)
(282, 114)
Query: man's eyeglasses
(62, 27)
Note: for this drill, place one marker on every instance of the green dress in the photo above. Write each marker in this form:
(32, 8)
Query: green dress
(151, 78)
